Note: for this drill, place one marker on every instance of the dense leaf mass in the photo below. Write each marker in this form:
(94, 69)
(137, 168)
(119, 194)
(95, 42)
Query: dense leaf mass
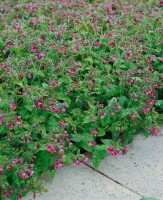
(75, 76)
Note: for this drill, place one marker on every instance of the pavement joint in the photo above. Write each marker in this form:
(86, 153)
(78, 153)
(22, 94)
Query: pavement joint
(117, 182)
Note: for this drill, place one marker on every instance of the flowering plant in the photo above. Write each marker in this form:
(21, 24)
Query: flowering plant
(75, 76)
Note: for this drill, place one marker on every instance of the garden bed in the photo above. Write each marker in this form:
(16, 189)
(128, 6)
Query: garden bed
(75, 76)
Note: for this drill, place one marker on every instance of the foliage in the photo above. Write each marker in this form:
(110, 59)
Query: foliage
(75, 76)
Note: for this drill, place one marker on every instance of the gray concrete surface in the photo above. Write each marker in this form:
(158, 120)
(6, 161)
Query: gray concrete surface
(83, 183)
(141, 169)
(162, 131)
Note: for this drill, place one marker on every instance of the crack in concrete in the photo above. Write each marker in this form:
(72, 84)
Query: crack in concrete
(98, 171)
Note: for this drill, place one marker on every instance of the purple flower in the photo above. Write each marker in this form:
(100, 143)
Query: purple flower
(55, 110)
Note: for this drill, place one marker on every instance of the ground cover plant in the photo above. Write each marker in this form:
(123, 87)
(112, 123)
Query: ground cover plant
(75, 76)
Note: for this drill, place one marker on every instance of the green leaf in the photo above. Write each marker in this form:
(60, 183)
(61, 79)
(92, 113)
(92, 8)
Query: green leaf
(126, 112)
(118, 62)
(112, 91)
(108, 68)
(84, 145)
(81, 27)
(45, 85)
(101, 132)
(40, 73)
(67, 159)
(76, 138)
(106, 141)
(106, 120)
(97, 156)
(89, 59)
(53, 54)
(28, 107)
(20, 84)
(16, 179)
(42, 128)
(51, 173)
(13, 196)
(87, 119)
(52, 124)
(130, 65)
(96, 55)
(1, 44)
(159, 103)
(122, 66)
(42, 162)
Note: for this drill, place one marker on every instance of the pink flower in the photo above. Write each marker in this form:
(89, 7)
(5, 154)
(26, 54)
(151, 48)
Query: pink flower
(110, 149)
(156, 86)
(107, 7)
(62, 124)
(51, 149)
(23, 176)
(20, 160)
(1, 171)
(30, 172)
(113, 153)
(85, 159)
(126, 149)
(75, 48)
(9, 168)
(73, 164)
(20, 76)
(95, 132)
(13, 162)
(105, 62)
(112, 114)
(145, 110)
(111, 44)
(61, 151)
(117, 107)
(64, 109)
(156, 132)
(150, 102)
(102, 115)
(19, 198)
(76, 163)
(35, 148)
(17, 123)
(92, 144)
(57, 166)
(55, 110)
(10, 127)
(132, 116)
(113, 59)
(56, 136)
(68, 92)
(149, 130)
(6, 193)
(29, 76)
(94, 119)
(161, 3)
(13, 107)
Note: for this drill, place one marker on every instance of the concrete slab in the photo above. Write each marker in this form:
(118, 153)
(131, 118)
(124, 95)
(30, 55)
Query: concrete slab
(161, 131)
(83, 183)
(141, 169)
